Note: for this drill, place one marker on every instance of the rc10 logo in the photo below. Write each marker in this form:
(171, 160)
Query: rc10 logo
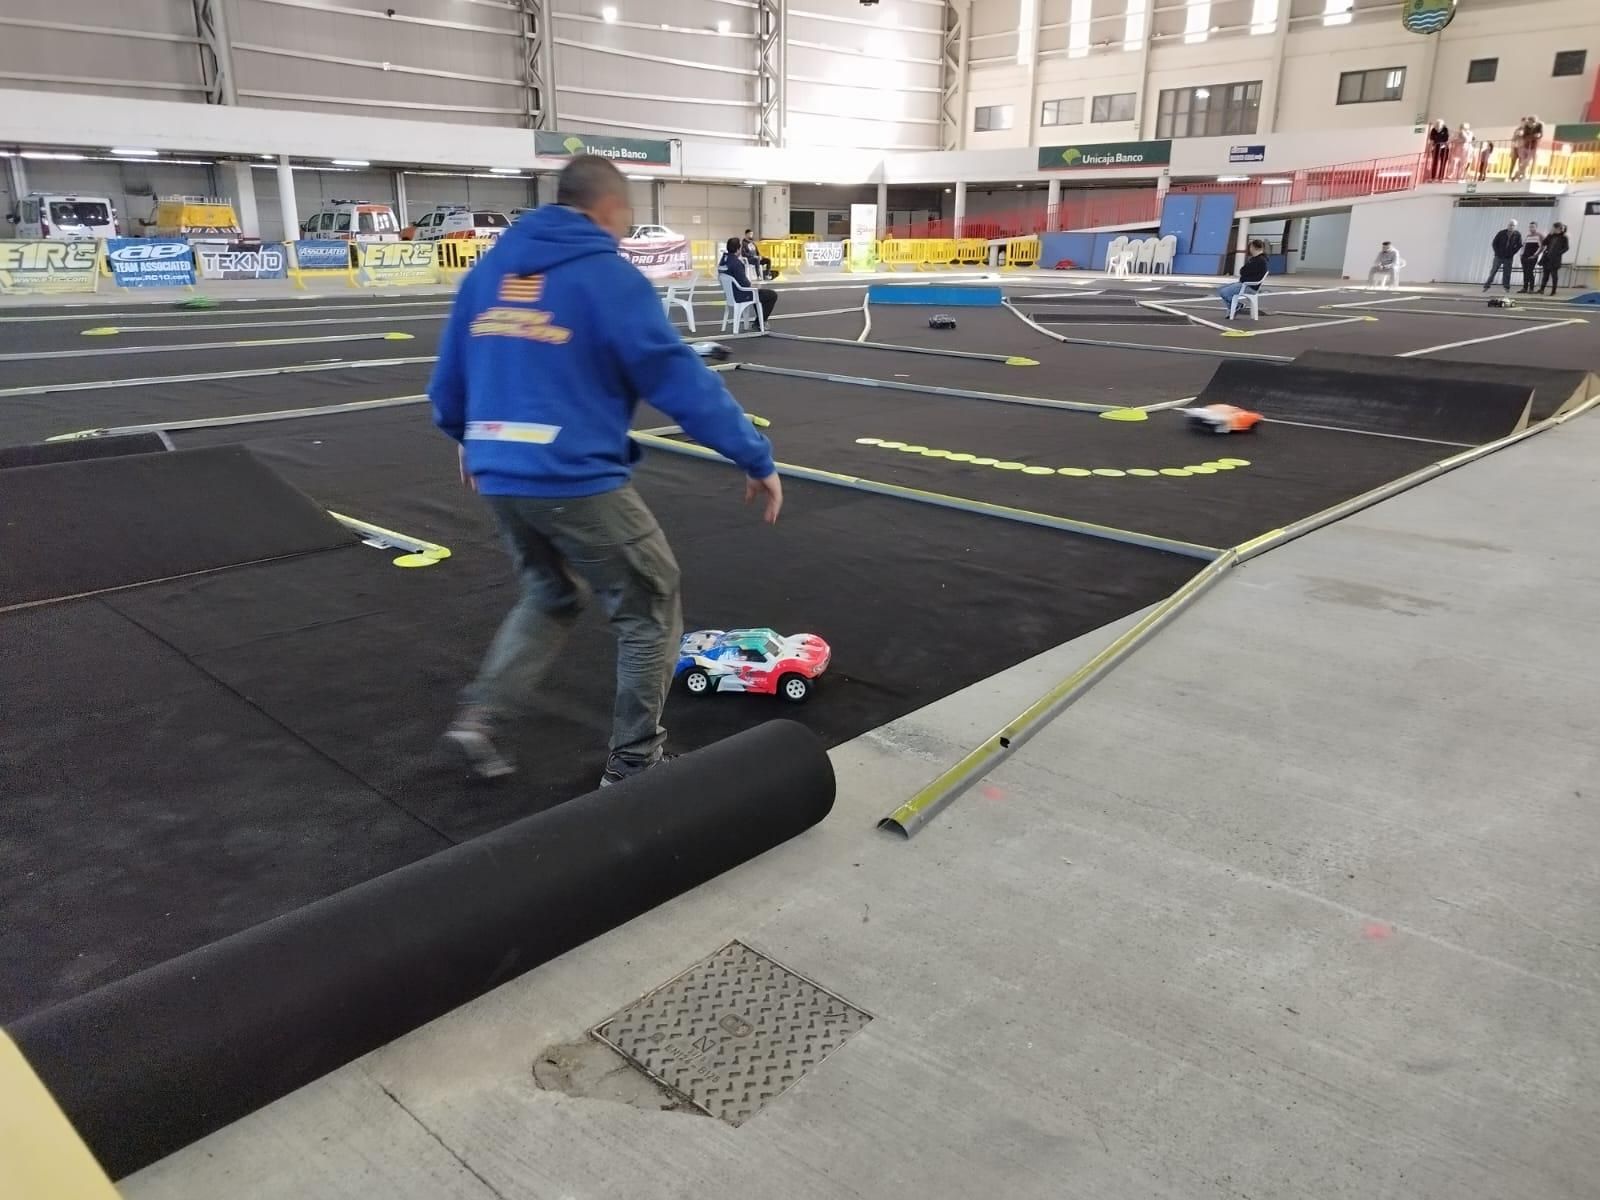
(149, 252)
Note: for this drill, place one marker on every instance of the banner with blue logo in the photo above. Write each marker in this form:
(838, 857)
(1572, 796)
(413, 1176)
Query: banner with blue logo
(242, 260)
(150, 262)
(322, 256)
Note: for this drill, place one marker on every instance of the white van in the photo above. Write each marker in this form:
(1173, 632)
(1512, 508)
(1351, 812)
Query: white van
(58, 217)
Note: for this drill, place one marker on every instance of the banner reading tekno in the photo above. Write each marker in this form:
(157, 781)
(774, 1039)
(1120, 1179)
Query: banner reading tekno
(619, 149)
(659, 260)
(242, 260)
(150, 262)
(1104, 156)
(49, 266)
(824, 254)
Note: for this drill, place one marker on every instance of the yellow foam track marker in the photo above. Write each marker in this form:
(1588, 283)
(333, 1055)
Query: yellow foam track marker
(1233, 462)
(1176, 472)
(1017, 360)
(1075, 472)
(984, 462)
(44, 1157)
(1109, 472)
(759, 422)
(399, 337)
(1200, 469)
(963, 458)
(416, 560)
(869, 441)
(101, 331)
(1038, 470)
(1008, 466)
(911, 449)
(1144, 472)
(893, 445)
(1125, 414)
(1370, 320)
(1238, 333)
(437, 553)
(936, 454)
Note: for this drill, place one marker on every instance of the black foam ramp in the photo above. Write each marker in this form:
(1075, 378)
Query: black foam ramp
(1457, 411)
(72, 528)
(39, 454)
(1554, 388)
(144, 1066)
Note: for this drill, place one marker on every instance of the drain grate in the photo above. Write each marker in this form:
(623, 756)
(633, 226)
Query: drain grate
(732, 1032)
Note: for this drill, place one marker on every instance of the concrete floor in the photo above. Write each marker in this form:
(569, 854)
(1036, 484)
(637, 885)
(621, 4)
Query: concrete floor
(1302, 902)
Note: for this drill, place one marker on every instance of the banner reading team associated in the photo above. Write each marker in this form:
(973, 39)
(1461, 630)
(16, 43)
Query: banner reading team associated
(659, 260)
(150, 262)
(1105, 156)
(322, 256)
(32, 268)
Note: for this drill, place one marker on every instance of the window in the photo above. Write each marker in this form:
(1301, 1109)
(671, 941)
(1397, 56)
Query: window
(1371, 87)
(1483, 70)
(989, 117)
(490, 220)
(1264, 16)
(1216, 111)
(1062, 112)
(1078, 29)
(1337, 12)
(344, 223)
(78, 212)
(1570, 62)
(367, 224)
(1133, 24)
(1197, 21)
(1117, 107)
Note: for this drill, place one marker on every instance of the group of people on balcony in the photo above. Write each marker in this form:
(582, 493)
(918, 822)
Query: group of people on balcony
(1459, 156)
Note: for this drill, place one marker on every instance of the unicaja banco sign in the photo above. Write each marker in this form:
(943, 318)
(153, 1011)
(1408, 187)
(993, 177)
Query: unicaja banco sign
(618, 149)
(1105, 156)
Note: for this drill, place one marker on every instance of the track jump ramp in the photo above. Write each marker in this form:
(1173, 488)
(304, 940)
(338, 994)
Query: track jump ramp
(77, 449)
(1461, 412)
(74, 528)
(1554, 390)
(144, 1066)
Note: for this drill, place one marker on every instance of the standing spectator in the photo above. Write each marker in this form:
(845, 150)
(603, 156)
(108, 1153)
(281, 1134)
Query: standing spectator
(1555, 249)
(1519, 159)
(1461, 152)
(1531, 246)
(1506, 244)
(1533, 136)
(1438, 150)
(1485, 153)
(733, 266)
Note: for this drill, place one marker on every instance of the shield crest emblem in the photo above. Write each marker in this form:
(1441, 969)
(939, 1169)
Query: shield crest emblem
(1427, 16)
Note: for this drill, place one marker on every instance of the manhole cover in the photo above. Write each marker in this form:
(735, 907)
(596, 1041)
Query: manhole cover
(733, 1031)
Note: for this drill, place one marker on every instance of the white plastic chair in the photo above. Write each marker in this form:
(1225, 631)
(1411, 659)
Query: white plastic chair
(1117, 263)
(680, 293)
(733, 310)
(1251, 295)
(1146, 256)
(1166, 255)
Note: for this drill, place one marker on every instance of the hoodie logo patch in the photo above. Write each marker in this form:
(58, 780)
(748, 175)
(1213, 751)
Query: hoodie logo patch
(531, 325)
(512, 431)
(522, 289)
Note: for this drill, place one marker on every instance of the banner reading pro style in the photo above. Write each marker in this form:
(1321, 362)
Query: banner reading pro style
(1105, 156)
(659, 260)
(38, 268)
(863, 236)
(150, 262)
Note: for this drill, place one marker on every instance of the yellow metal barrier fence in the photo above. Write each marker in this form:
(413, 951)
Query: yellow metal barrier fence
(1021, 252)
(457, 256)
(972, 252)
(705, 256)
(785, 253)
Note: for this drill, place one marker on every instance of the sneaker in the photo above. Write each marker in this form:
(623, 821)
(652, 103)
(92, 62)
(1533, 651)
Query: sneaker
(619, 768)
(472, 735)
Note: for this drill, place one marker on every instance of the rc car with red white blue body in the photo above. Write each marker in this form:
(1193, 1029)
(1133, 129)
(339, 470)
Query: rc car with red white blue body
(752, 660)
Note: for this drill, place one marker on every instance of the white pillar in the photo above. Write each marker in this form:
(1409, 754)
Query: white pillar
(546, 193)
(1242, 246)
(288, 209)
(960, 213)
(402, 205)
(883, 207)
(244, 198)
(1053, 202)
(19, 181)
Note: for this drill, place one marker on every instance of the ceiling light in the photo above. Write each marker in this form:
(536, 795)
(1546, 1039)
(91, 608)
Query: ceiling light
(505, 170)
(641, 178)
(267, 157)
(351, 162)
(60, 156)
(1202, 93)
(134, 152)
(724, 27)
(755, 183)
(608, 13)
(1233, 179)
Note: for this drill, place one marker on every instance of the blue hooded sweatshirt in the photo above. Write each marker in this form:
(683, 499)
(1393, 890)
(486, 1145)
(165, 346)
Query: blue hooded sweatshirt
(553, 341)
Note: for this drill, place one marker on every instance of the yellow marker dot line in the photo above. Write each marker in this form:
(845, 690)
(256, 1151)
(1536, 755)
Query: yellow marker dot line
(1214, 467)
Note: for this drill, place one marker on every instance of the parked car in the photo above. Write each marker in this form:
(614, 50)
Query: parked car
(353, 221)
(652, 233)
(458, 221)
(57, 216)
(751, 660)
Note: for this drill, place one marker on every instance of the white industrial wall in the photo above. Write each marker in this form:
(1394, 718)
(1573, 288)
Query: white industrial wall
(1238, 47)
(1323, 242)
(1469, 253)
(707, 212)
(1419, 227)
(142, 48)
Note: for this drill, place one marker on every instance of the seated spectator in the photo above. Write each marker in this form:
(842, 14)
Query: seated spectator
(732, 265)
(1386, 267)
(1250, 275)
(752, 255)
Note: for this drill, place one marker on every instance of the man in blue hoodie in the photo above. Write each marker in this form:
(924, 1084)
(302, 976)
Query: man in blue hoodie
(553, 341)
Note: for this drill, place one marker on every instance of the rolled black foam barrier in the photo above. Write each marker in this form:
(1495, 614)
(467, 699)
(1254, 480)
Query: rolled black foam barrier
(149, 1064)
(77, 449)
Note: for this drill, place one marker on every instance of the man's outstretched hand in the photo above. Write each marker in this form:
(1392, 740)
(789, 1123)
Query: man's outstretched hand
(770, 492)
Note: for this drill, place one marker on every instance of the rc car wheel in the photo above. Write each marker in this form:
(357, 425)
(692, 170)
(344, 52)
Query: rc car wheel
(794, 688)
(698, 682)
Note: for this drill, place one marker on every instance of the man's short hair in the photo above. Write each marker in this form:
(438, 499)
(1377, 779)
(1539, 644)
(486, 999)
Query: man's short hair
(1256, 243)
(587, 180)
(733, 245)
